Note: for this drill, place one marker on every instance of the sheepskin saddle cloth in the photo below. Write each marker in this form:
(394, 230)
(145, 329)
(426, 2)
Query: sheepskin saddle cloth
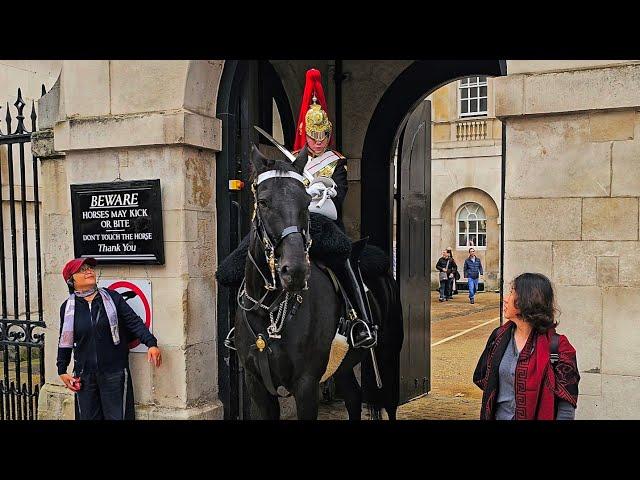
(331, 246)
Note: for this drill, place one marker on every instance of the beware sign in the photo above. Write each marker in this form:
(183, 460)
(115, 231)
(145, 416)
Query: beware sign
(118, 222)
(137, 293)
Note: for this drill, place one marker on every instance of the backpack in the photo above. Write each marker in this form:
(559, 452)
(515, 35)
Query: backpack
(553, 349)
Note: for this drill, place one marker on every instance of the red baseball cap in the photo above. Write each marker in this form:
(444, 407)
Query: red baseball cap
(74, 265)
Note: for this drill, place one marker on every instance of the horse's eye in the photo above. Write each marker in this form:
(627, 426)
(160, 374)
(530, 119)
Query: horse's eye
(263, 203)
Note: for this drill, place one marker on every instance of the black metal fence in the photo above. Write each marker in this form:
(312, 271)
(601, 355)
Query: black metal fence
(21, 323)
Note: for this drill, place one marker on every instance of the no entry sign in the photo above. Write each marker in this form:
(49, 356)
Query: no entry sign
(137, 293)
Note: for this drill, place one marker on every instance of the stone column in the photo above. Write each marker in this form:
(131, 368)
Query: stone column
(130, 120)
(571, 212)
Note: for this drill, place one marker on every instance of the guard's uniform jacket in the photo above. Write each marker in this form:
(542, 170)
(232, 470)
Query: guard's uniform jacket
(106, 388)
(334, 165)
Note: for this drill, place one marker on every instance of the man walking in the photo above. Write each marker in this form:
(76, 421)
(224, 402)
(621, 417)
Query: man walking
(472, 271)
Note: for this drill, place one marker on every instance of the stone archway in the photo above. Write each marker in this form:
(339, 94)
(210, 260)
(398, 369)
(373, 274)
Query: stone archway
(415, 83)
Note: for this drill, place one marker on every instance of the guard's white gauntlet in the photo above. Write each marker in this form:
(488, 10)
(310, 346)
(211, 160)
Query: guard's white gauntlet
(322, 190)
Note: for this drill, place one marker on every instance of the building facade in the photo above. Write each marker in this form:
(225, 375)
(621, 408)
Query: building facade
(572, 183)
(466, 165)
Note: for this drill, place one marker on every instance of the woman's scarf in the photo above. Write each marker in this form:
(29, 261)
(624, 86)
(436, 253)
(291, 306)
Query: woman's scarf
(66, 338)
(537, 382)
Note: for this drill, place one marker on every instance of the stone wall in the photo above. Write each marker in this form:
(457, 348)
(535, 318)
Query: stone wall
(126, 120)
(571, 212)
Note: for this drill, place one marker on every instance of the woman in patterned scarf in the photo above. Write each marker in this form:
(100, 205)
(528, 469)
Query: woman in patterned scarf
(515, 371)
(96, 325)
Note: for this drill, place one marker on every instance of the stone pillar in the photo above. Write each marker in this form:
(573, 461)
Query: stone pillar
(571, 212)
(133, 120)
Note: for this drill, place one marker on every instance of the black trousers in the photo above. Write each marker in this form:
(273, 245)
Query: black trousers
(105, 396)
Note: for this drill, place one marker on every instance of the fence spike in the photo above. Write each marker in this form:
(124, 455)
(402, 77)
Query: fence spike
(33, 116)
(20, 117)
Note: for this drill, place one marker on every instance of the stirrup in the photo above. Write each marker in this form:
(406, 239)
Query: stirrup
(371, 337)
(229, 340)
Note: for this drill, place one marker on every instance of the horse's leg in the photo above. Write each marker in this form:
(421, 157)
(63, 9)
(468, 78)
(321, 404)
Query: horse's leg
(391, 411)
(307, 393)
(264, 406)
(351, 392)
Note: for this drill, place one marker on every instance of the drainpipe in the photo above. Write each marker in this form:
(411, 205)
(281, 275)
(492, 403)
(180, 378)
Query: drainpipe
(338, 77)
(503, 183)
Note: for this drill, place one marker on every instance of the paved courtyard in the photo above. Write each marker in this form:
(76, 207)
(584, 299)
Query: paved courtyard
(459, 332)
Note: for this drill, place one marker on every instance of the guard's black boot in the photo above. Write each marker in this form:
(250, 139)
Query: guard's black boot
(360, 331)
(363, 333)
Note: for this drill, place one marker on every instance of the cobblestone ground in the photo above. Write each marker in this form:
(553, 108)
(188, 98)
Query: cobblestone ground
(453, 395)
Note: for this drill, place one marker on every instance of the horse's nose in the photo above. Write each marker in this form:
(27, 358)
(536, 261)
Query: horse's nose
(293, 276)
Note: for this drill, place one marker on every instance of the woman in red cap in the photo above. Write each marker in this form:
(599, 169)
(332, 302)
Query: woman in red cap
(97, 325)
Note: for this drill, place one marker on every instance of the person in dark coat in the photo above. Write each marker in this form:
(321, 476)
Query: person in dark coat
(445, 273)
(96, 325)
(472, 271)
(455, 275)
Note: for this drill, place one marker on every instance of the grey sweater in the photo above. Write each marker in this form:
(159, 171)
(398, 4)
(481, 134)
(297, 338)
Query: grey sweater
(506, 401)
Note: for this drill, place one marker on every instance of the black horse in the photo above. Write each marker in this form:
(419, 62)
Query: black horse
(294, 300)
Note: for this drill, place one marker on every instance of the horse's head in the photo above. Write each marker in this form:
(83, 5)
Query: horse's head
(282, 216)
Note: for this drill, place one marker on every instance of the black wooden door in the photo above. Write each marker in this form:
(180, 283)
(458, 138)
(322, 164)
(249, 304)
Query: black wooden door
(414, 242)
(248, 90)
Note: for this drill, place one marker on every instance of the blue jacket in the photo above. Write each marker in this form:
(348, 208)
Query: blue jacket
(472, 269)
(94, 350)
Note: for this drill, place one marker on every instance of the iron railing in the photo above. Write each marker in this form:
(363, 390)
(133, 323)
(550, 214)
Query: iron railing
(21, 324)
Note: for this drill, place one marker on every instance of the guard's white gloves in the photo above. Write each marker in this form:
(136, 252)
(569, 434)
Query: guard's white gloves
(321, 190)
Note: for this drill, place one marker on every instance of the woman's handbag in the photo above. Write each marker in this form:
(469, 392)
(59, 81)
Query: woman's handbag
(443, 275)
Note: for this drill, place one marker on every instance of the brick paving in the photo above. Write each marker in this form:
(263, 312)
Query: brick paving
(453, 395)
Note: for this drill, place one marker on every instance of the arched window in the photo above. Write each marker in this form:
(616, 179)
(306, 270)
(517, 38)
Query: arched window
(472, 226)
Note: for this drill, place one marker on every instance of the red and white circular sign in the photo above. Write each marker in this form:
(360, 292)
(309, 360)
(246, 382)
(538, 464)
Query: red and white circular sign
(137, 294)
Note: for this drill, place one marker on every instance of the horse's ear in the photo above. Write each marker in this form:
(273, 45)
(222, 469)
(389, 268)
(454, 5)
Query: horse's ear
(259, 161)
(301, 160)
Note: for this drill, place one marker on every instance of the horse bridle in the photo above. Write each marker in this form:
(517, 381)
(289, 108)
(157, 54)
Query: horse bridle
(270, 246)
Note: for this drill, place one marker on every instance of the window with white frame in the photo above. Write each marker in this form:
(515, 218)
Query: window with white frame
(473, 96)
(472, 226)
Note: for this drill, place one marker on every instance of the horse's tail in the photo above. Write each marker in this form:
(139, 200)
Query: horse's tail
(388, 316)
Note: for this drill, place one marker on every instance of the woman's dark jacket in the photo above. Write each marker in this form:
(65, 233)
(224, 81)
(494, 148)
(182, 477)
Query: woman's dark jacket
(93, 349)
(442, 264)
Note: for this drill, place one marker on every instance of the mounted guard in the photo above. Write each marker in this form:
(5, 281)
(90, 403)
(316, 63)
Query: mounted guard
(296, 318)
(325, 178)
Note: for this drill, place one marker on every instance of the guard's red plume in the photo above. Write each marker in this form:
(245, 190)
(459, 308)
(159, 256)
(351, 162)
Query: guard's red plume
(313, 84)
